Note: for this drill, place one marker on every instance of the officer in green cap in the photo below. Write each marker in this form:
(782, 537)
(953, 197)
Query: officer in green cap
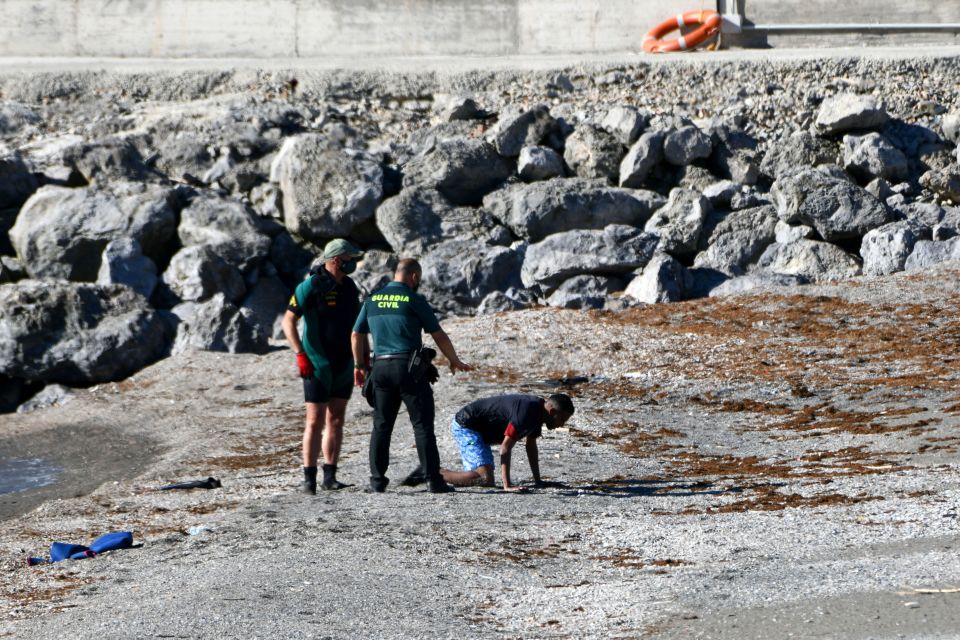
(328, 302)
(396, 315)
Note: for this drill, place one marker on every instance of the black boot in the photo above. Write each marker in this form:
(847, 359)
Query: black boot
(439, 485)
(330, 482)
(309, 484)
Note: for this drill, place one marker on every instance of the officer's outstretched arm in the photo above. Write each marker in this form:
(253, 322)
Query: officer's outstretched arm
(446, 348)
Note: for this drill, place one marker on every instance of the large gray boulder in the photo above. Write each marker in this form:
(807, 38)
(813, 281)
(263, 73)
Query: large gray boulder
(534, 211)
(61, 233)
(264, 307)
(663, 279)
(873, 156)
(625, 123)
(199, 272)
(17, 183)
(52, 395)
(292, 256)
(836, 208)
(76, 334)
(738, 240)
(922, 214)
(518, 128)
(463, 170)
(591, 152)
(915, 140)
(640, 160)
(458, 275)
(457, 107)
(756, 282)
(944, 183)
(614, 250)
(267, 200)
(735, 155)
(539, 163)
(719, 192)
(228, 227)
(123, 263)
(183, 156)
(680, 222)
(699, 179)
(216, 325)
(787, 233)
(811, 259)
(849, 112)
(885, 249)
(107, 160)
(421, 217)
(927, 253)
(376, 270)
(327, 190)
(950, 125)
(11, 270)
(686, 144)
(45, 156)
(423, 141)
(584, 292)
(948, 226)
(510, 300)
(799, 149)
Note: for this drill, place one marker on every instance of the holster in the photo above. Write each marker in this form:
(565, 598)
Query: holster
(419, 362)
(367, 389)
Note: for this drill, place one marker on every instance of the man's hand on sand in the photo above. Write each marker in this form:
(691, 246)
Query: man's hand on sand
(459, 365)
(359, 375)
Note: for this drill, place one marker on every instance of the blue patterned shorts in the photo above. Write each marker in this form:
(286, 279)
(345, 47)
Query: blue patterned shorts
(473, 450)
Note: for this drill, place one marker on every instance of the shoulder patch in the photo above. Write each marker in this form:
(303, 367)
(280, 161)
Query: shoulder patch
(293, 301)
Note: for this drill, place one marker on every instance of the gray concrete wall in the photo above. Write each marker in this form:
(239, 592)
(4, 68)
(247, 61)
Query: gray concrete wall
(372, 28)
(317, 28)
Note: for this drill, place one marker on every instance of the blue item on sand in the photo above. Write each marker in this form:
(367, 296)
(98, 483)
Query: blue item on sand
(107, 542)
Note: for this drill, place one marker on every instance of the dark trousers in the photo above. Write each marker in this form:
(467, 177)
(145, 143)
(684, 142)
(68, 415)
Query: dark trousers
(392, 384)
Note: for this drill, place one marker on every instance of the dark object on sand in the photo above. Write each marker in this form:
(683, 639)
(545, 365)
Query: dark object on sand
(566, 381)
(209, 483)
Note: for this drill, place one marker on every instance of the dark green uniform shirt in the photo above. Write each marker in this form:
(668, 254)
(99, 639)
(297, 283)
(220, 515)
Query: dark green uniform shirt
(395, 316)
(328, 310)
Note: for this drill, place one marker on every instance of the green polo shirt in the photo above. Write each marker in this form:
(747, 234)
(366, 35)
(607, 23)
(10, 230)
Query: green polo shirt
(328, 310)
(395, 316)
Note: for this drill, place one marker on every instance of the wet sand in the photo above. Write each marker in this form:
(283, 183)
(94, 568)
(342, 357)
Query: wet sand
(86, 454)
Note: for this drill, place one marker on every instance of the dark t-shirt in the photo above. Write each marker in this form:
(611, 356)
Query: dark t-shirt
(515, 415)
(328, 310)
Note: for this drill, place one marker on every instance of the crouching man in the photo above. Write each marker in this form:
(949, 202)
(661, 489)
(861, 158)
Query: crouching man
(503, 420)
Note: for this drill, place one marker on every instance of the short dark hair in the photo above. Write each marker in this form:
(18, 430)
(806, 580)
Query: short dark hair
(408, 267)
(562, 402)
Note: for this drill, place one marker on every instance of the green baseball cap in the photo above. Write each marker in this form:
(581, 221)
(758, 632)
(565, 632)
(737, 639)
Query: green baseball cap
(340, 247)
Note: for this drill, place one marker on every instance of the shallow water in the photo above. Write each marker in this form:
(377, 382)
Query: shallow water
(17, 474)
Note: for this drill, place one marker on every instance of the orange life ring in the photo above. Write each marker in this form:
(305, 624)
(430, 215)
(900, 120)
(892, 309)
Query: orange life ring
(709, 22)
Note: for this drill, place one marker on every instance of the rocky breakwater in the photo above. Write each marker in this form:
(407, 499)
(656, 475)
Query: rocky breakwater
(164, 225)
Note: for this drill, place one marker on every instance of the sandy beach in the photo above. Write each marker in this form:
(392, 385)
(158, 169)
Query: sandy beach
(776, 465)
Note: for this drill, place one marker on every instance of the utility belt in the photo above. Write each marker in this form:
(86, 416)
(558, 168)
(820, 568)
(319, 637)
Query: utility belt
(419, 360)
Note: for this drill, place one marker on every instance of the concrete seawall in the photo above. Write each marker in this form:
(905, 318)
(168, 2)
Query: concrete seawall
(372, 28)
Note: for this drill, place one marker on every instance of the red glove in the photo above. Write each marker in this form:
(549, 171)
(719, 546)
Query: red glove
(303, 362)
